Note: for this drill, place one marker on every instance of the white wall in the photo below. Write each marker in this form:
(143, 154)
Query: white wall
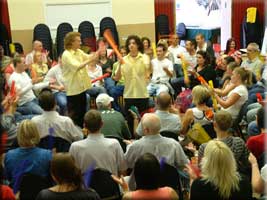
(226, 27)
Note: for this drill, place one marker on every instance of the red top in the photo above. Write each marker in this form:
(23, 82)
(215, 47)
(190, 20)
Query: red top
(159, 194)
(7, 193)
(256, 144)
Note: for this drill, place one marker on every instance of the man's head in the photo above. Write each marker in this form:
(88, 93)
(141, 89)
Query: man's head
(222, 121)
(37, 45)
(261, 119)
(47, 100)
(190, 45)
(150, 124)
(19, 63)
(252, 50)
(164, 101)
(161, 51)
(93, 121)
(175, 40)
(134, 44)
(200, 39)
(103, 101)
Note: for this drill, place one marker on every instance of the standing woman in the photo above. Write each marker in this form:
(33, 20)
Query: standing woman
(75, 76)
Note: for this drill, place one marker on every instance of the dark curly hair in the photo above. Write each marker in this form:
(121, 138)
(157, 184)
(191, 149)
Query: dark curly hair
(137, 41)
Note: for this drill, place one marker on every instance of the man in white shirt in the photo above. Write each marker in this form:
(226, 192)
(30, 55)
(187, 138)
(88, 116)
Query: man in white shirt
(176, 50)
(96, 150)
(58, 87)
(51, 123)
(27, 103)
(162, 71)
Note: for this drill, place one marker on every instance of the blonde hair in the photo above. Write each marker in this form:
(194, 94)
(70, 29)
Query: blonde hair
(219, 168)
(245, 75)
(35, 56)
(28, 134)
(69, 39)
(200, 94)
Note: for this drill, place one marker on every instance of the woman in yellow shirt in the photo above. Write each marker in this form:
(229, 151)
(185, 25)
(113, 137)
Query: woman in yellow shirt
(38, 69)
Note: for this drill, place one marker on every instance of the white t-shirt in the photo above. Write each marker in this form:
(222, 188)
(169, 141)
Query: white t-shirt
(242, 91)
(191, 59)
(264, 173)
(158, 72)
(23, 83)
(95, 74)
(176, 51)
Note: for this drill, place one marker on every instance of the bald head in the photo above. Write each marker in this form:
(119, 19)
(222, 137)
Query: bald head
(164, 101)
(151, 124)
(37, 45)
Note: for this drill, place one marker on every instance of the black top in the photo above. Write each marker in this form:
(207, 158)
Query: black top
(202, 190)
(208, 73)
(88, 194)
(106, 65)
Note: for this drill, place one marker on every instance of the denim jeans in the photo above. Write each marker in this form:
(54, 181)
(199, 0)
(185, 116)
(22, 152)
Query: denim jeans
(109, 83)
(115, 92)
(61, 100)
(155, 89)
(95, 91)
(30, 108)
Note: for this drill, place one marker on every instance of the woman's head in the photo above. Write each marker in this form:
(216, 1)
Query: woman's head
(230, 45)
(147, 172)
(146, 42)
(64, 170)
(202, 58)
(231, 66)
(72, 40)
(133, 44)
(28, 134)
(241, 75)
(200, 95)
(123, 51)
(219, 168)
(37, 57)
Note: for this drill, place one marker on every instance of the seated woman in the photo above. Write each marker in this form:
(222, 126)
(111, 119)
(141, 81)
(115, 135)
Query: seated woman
(202, 68)
(200, 97)
(219, 177)
(68, 179)
(27, 158)
(95, 71)
(230, 47)
(239, 95)
(146, 173)
(147, 47)
(38, 69)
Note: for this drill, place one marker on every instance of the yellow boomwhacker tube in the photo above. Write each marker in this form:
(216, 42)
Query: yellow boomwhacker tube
(184, 67)
(214, 101)
(153, 45)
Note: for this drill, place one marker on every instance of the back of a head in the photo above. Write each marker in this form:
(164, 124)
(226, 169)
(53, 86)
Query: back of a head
(47, 100)
(245, 75)
(223, 120)
(151, 124)
(200, 95)
(219, 168)
(93, 121)
(28, 134)
(64, 170)
(147, 172)
(164, 101)
(261, 118)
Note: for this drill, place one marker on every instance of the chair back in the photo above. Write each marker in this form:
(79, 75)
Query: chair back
(88, 37)
(169, 134)
(104, 185)
(162, 25)
(109, 23)
(181, 31)
(31, 185)
(62, 30)
(50, 142)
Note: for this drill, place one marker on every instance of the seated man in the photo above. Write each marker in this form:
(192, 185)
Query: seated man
(51, 123)
(96, 150)
(169, 121)
(27, 103)
(205, 46)
(256, 143)
(37, 46)
(162, 71)
(114, 123)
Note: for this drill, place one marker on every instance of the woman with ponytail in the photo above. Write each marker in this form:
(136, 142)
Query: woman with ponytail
(68, 179)
(239, 95)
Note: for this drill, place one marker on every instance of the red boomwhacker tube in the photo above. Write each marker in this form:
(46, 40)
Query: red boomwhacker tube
(100, 77)
(12, 89)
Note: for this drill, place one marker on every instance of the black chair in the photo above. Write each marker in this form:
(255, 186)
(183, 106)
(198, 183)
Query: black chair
(31, 185)
(4, 39)
(169, 134)
(42, 33)
(236, 124)
(170, 177)
(162, 26)
(102, 182)
(50, 142)
(109, 23)
(62, 30)
(123, 145)
(88, 37)
(181, 31)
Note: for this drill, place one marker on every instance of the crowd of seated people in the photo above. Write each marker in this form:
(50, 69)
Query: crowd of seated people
(135, 126)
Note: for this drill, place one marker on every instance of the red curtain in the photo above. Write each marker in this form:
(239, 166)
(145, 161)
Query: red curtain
(239, 8)
(4, 18)
(166, 7)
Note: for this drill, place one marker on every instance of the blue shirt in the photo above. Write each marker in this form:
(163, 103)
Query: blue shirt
(38, 162)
